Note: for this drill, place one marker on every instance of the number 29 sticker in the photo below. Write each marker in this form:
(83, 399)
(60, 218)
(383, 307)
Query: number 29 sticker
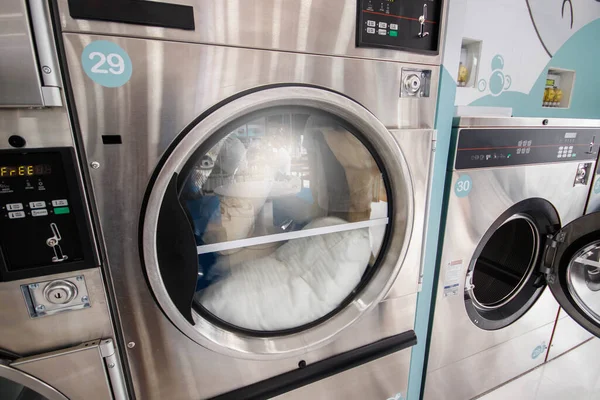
(106, 63)
(463, 186)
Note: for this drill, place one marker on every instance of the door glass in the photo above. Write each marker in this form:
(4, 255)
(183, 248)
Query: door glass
(10, 390)
(583, 275)
(289, 210)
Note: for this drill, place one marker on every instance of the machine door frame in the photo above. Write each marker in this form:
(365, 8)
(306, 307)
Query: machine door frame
(29, 381)
(568, 270)
(161, 198)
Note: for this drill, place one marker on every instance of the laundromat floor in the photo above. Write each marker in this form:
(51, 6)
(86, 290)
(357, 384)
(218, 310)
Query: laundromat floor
(574, 376)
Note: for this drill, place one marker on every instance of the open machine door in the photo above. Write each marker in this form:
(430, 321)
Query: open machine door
(572, 262)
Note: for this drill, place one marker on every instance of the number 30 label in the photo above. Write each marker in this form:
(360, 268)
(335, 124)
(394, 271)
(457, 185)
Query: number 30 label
(463, 186)
(106, 63)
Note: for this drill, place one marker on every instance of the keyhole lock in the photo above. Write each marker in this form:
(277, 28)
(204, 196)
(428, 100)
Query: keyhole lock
(60, 292)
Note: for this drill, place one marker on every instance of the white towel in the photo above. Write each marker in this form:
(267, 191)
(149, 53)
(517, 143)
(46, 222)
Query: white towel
(300, 282)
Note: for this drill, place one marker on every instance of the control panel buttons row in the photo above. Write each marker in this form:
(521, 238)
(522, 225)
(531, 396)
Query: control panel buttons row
(382, 25)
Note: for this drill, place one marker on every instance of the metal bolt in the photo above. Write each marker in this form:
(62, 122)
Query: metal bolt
(85, 299)
(111, 365)
(95, 164)
(34, 286)
(131, 345)
(40, 308)
(79, 278)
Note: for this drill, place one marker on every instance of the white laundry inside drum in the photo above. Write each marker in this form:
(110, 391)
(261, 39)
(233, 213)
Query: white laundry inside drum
(290, 213)
(300, 282)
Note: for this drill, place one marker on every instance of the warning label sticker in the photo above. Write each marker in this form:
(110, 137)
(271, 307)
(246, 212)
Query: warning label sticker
(452, 274)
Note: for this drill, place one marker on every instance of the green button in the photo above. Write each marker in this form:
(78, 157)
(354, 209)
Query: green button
(393, 33)
(61, 210)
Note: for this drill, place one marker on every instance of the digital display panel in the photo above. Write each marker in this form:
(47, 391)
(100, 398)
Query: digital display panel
(8, 171)
(571, 135)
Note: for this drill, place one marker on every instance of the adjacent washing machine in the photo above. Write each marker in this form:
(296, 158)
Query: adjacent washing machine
(567, 332)
(515, 189)
(263, 211)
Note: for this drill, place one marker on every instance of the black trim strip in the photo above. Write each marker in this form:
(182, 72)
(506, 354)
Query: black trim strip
(322, 369)
(137, 12)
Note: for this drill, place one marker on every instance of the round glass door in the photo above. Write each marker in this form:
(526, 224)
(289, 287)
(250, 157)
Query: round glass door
(299, 209)
(17, 385)
(289, 211)
(574, 262)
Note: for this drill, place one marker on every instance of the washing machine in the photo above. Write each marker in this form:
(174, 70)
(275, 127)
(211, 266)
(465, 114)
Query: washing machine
(57, 337)
(261, 175)
(515, 190)
(568, 334)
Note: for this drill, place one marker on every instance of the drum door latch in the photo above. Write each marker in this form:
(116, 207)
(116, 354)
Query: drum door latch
(422, 20)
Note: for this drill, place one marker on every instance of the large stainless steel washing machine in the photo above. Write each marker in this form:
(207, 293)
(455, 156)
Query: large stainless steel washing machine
(514, 188)
(568, 333)
(262, 197)
(56, 328)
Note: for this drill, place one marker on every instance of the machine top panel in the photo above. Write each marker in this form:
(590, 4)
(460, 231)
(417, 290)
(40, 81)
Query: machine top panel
(324, 27)
(488, 148)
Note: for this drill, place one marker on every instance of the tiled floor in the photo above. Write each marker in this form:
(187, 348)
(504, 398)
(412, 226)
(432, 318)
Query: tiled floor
(573, 376)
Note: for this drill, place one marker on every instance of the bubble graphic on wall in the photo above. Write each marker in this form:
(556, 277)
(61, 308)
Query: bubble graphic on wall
(498, 81)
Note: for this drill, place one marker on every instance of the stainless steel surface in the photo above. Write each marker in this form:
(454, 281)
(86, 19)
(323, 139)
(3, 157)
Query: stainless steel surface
(30, 382)
(48, 127)
(58, 295)
(77, 372)
(488, 369)
(20, 84)
(222, 340)
(567, 335)
(235, 244)
(44, 43)
(390, 373)
(163, 97)
(466, 371)
(54, 331)
(496, 122)
(113, 366)
(303, 26)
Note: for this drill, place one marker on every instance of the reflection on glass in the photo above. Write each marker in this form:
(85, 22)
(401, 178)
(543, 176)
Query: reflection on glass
(584, 279)
(283, 171)
(10, 390)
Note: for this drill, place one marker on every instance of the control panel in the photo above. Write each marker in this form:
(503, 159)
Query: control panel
(44, 229)
(409, 25)
(485, 148)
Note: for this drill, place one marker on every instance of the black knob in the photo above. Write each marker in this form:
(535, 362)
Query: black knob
(17, 141)
(545, 122)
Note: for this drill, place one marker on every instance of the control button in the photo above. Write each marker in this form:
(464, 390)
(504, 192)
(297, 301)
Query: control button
(383, 25)
(527, 150)
(37, 204)
(529, 143)
(370, 30)
(518, 151)
(62, 210)
(16, 214)
(60, 203)
(393, 33)
(394, 26)
(371, 23)
(382, 32)
(14, 206)
(39, 213)
(520, 143)
(570, 148)
(560, 148)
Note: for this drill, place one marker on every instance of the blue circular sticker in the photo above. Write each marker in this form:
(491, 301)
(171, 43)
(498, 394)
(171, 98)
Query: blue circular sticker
(597, 187)
(106, 63)
(463, 186)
